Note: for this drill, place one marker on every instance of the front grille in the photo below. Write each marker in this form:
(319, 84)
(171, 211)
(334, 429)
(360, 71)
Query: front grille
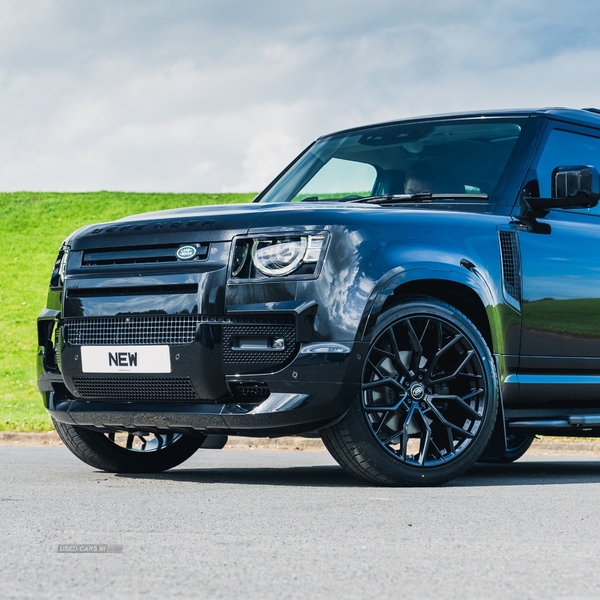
(137, 255)
(511, 266)
(107, 331)
(181, 330)
(244, 357)
(136, 388)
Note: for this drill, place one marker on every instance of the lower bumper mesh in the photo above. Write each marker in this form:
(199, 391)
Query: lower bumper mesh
(136, 388)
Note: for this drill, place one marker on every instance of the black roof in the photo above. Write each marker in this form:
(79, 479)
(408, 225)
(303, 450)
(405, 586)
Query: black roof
(583, 116)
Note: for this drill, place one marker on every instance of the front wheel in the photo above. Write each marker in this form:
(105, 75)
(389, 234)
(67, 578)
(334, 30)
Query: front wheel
(128, 452)
(428, 399)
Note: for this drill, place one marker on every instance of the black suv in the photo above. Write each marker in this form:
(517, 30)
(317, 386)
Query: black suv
(422, 294)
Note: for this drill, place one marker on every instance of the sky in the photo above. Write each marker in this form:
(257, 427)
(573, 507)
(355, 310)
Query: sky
(220, 95)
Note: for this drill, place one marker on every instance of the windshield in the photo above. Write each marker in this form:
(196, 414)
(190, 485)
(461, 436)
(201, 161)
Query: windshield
(437, 157)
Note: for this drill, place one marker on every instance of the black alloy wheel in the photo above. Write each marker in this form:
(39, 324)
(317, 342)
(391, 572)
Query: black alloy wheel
(128, 451)
(428, 399)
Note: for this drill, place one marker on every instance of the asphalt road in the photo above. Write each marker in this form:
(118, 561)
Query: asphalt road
(276, 524)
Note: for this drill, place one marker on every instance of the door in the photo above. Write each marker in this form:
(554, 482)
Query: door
(560, 339)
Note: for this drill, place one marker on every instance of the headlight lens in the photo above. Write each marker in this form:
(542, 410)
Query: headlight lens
(60, 266)
(240, 255)
(277, 256)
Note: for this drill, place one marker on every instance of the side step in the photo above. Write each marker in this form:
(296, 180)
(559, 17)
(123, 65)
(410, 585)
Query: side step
(575, 425)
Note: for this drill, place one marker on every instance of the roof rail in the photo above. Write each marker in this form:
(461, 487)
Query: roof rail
(593, 110)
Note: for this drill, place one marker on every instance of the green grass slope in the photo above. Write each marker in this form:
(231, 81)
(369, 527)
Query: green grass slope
(32, 226)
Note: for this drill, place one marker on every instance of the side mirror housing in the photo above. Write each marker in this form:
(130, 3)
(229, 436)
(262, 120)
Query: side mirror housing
(572, 186)
(580, 185)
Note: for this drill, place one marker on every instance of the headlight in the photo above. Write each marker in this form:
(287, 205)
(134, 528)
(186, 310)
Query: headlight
(277, 256)
(60, 266)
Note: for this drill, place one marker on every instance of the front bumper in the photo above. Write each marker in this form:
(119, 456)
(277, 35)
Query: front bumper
(279, 414)
(311, 389)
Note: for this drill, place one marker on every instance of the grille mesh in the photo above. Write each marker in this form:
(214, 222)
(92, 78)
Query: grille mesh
(511, 267)
(136, 388)
(181, 330)
(231, 356)
(171, 330)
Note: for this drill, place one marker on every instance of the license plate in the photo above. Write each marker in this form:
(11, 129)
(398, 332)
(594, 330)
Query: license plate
(125, 359)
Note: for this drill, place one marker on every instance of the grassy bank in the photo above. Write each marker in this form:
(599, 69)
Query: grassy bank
(33, 225)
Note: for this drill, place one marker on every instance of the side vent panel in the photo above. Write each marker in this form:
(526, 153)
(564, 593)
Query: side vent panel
(511, 267)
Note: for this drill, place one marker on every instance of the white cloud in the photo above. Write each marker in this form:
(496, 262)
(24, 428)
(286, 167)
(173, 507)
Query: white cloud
(195, 95)
(268, 153)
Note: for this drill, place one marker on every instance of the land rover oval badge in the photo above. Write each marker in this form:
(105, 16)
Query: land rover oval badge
(186, 252)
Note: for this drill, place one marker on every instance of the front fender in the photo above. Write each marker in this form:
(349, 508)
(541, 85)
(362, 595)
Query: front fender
(468, 276)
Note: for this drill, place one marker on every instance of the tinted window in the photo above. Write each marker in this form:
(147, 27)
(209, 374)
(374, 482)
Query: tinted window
(562, 149)
(339, 179)
(453, 156)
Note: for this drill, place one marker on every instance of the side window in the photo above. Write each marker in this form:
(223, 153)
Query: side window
(339, 178)
(566, 148)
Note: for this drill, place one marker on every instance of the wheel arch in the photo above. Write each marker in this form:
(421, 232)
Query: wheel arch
(464, 290)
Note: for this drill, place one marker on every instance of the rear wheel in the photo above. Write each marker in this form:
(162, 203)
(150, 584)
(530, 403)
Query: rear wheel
(128, 452)
(428, 399)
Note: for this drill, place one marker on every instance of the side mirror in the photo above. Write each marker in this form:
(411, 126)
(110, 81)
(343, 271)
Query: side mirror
(579, 185)
(572, 186)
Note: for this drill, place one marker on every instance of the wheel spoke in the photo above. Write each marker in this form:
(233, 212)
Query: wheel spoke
(395, 436)
(447, 423)
(397, 356)
(391, 408)
(376, 369)
(417, 352)
(386, 381)
(425, 437)
(456, 372)
(425, 445)
(384, 418)
(460, 401)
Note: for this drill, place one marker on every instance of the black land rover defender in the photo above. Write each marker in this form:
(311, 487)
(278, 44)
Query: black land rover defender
(423, 294)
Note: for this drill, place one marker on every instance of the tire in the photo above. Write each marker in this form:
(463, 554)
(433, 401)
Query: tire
(428, 399)
(125, 452)
(516, 446)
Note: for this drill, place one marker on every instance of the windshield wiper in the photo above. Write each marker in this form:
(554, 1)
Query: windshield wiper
(420, 197)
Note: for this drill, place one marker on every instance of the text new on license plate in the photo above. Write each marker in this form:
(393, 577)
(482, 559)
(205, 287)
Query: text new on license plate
(125, 359)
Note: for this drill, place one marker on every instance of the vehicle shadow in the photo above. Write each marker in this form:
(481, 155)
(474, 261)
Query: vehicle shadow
(310, 476)
(532, 472)
(522, 473)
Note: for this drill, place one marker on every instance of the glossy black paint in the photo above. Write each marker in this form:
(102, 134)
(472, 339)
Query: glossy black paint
(545, 335)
